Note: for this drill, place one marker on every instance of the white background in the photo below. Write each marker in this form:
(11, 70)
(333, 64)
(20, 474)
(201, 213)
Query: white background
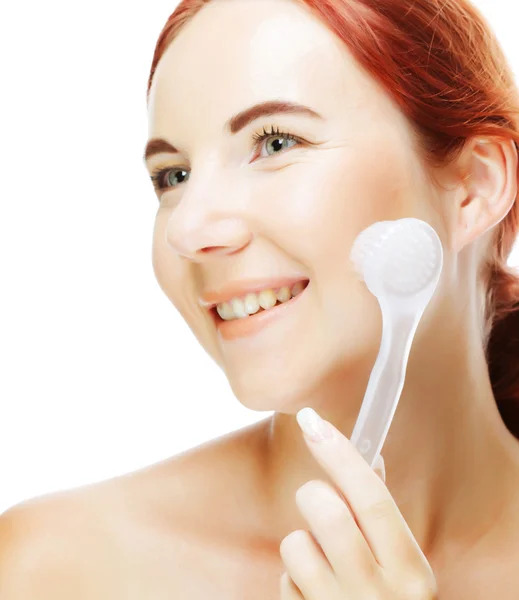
(99, 374)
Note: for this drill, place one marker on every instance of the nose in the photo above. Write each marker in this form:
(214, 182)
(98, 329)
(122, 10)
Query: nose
(200, 227)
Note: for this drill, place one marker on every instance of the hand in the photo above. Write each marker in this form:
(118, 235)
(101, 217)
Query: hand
(360, 546)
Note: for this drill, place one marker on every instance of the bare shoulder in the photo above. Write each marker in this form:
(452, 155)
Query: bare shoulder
(209, 488)
(110, 539)
(48, 545)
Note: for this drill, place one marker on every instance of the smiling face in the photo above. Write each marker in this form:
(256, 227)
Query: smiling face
(233, 207)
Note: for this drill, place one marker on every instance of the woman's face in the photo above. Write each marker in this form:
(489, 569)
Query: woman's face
(233, 209)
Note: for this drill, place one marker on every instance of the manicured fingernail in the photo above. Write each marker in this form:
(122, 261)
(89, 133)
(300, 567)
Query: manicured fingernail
(315, 428)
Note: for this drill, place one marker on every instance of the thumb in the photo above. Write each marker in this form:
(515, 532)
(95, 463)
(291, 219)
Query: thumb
(380, 468)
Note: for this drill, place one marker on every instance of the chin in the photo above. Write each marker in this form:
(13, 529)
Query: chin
(268, 398)
(290, 381)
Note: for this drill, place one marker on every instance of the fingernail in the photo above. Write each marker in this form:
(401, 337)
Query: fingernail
(315, 428)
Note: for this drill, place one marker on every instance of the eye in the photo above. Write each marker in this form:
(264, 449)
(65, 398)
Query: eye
(162, 177)
(276, 136)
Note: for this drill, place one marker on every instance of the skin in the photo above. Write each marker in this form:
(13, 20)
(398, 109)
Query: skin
(451, 465)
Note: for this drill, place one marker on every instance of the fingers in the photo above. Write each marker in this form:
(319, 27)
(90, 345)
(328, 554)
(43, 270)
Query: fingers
(307, 565)
(337, 533)
(288, 589)
(374, 509)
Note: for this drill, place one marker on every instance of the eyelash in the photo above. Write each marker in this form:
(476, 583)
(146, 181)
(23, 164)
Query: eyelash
(158, 174)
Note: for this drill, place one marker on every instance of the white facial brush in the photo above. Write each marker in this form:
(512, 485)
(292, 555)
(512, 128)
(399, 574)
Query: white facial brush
(401, 263)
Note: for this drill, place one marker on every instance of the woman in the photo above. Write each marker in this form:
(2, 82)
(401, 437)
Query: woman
(378, 111)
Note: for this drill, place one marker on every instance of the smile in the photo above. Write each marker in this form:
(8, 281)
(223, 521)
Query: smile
(238, 327)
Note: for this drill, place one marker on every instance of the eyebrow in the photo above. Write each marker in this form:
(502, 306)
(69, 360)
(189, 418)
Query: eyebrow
(238, 122)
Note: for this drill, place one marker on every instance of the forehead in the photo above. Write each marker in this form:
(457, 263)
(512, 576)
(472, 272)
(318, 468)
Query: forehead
(235, 53)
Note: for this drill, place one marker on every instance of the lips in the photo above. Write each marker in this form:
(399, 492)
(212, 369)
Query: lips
(243, 329)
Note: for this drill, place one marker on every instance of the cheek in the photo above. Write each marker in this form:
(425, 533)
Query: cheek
(360, 187)
(170, 271)
(319, 205)
(178, 280)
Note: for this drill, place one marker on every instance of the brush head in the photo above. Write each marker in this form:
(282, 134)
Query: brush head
(403, 256)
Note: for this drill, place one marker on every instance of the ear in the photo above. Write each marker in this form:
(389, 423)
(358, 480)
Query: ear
(489, 189)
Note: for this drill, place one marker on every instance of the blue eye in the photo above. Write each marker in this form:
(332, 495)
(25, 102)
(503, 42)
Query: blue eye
(163, 178)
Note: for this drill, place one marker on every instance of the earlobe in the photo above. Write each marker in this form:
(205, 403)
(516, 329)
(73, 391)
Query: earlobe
(489, 192)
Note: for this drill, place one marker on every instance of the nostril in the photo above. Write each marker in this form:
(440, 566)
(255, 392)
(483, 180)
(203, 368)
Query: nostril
(211, 249)
(217, 250)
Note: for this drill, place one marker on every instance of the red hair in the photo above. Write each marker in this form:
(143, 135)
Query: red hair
(440, 61)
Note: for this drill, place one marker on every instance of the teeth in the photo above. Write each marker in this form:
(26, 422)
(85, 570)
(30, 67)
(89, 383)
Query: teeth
(240, 308)
(284, 294)
(297, 288)
(225, 311)
(267, 299)
(251, 304)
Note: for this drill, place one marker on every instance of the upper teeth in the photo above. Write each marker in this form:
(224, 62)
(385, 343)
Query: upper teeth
(251, 303)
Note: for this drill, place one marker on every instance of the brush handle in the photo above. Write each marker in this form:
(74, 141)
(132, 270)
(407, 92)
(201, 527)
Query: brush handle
(386, 381)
